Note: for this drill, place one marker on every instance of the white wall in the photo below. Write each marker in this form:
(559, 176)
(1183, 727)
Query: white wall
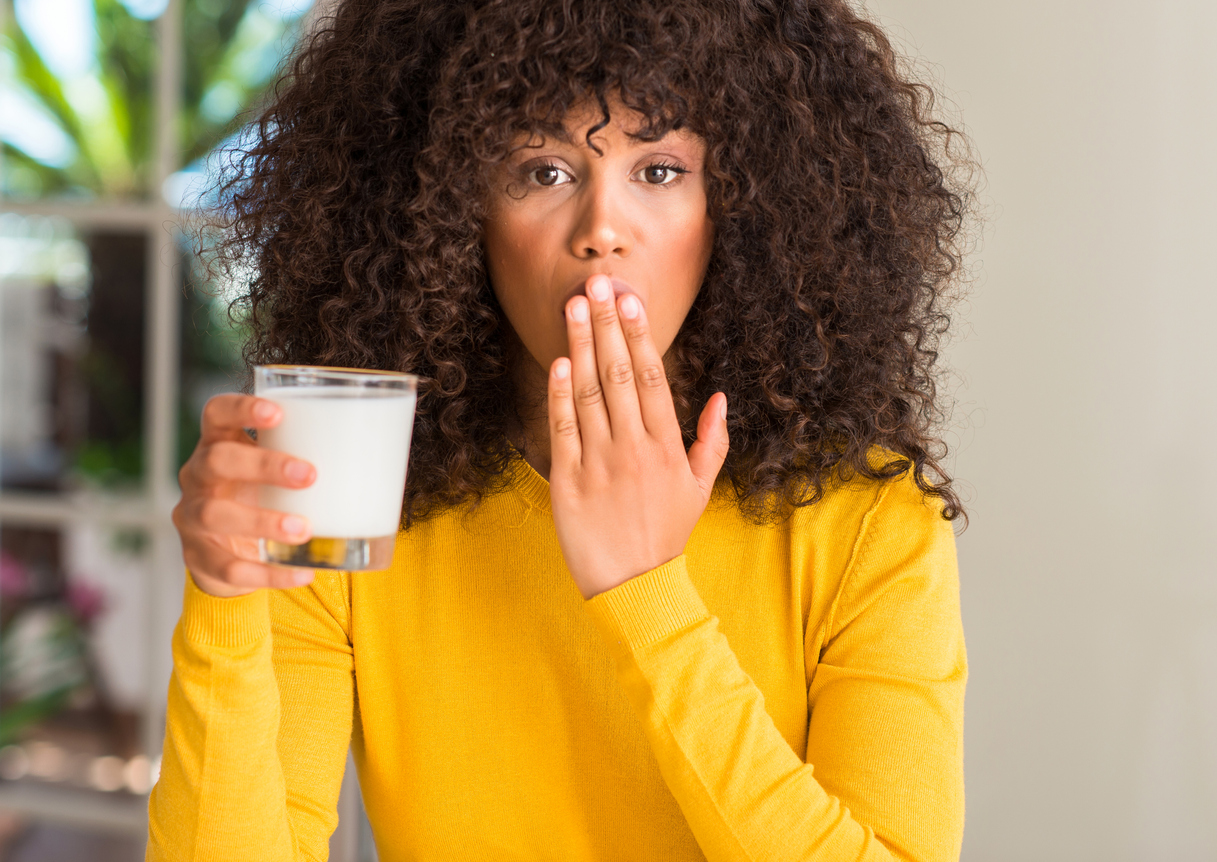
(1087, 422)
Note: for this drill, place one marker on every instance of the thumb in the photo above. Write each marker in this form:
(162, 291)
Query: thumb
(709, 451)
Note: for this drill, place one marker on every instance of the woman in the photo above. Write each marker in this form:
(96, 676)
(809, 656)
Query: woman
(677, 577)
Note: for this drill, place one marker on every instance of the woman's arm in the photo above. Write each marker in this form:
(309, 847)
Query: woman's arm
(883, 777)
(258, 726)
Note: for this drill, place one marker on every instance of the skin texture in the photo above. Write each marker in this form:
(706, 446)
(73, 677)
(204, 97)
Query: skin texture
(560, 213)
(599, 256)
(625, 495)
(218, 518)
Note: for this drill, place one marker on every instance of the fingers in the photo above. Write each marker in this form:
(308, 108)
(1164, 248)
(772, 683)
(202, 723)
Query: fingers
(233, 461)
(602, 373)
(613, 359)
(225, 417)
(709, 451)
(216, 518)
(651, 380)
(229, 518)
(220, 572)
(566, 447)
(587, 392)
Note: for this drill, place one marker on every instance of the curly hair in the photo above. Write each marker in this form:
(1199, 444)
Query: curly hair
(357, 210)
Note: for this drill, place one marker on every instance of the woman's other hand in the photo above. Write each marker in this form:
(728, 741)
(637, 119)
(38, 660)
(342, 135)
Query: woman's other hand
(626, 496)
(218, 517)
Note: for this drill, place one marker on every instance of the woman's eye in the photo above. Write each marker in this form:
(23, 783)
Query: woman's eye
(549, 175)
(660, 175)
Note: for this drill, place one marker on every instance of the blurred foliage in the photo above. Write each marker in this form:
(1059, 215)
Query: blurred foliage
(231, 51)
(43, 662)
(104, 117)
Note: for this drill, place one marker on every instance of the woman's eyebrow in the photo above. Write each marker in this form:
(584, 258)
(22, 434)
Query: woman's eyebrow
(538, 141)
(563, 136)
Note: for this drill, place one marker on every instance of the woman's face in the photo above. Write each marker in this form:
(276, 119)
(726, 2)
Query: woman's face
(560, 213)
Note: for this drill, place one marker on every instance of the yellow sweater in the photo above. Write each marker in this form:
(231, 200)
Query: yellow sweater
(788, 692)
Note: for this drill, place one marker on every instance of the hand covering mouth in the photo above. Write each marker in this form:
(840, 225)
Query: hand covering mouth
(620, 288)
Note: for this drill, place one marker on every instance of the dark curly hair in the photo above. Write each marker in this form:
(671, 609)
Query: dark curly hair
(357, 209)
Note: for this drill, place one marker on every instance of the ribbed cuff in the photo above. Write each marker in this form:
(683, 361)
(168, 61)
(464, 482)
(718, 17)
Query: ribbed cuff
(224, 622)
(649, 607)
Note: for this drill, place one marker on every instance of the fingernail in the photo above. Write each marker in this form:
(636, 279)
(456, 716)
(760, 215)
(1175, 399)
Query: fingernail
(302, 577)
(629, 307)
(600, 288)
(293, 526)
(578, 312)
(561, 369)
(297, 471)
(722, 410)
(264, 411)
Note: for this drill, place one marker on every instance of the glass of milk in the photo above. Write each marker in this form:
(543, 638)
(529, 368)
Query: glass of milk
(354, 427)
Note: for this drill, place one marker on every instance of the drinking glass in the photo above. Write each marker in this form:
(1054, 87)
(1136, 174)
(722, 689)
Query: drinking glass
(353, 426)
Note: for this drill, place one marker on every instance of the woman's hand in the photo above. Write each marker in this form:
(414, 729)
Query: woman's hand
(218, 517)
(625, 494)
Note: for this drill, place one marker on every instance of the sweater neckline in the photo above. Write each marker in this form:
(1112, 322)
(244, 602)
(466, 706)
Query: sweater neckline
(530, 484)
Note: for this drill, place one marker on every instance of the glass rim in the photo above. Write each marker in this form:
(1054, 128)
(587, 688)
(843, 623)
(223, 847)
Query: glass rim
(340, 373)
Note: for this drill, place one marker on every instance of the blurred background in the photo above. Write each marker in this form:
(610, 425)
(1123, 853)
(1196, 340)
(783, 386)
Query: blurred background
(111, 340)
(1082, 376)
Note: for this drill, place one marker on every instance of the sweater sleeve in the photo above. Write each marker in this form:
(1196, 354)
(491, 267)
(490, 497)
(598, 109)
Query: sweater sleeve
(883, 773)
(257, 727)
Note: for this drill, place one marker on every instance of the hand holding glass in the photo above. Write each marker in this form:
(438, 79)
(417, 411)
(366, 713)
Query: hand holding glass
(354, 427)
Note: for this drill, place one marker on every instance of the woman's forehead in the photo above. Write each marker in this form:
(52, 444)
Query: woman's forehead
(588, 120)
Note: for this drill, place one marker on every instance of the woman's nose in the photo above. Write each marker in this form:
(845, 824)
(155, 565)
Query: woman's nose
(601, 226)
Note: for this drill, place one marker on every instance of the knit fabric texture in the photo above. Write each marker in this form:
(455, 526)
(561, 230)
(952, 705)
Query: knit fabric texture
(785, 692)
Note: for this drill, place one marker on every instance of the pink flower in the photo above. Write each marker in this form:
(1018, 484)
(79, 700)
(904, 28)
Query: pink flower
(86, 601)
(14, 577)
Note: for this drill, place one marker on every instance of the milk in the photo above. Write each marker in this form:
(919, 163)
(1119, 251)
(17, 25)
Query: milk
(358, 441)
